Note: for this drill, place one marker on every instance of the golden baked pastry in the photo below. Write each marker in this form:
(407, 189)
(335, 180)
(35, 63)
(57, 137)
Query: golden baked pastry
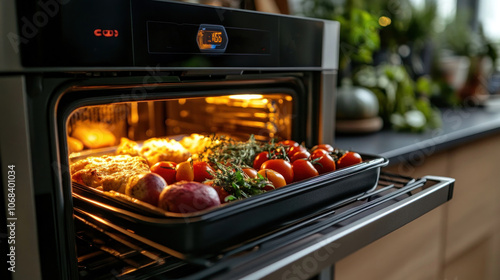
(108, 172)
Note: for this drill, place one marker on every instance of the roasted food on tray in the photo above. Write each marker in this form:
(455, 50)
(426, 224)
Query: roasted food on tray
(181, 179)
(155, 150)
(108, 172)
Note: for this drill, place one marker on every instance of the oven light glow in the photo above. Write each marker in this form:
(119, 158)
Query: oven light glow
(260, 115)
(246, 96)
(134, 114)
(240, 100)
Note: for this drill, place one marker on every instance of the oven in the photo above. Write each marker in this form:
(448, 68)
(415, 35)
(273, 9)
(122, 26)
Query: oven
(79, 78)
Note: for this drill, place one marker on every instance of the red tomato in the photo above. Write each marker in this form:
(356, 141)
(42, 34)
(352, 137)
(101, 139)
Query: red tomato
(318, 153)
(322, 161)
(326, 147)
(202, 171)
(276, 178)
(260, 159)
(289, 143)
(221, 192)
(303, 169)
(293, 150)
(299, 155)
(281, 166)
(348, 159)
(252, 173)
(184, 172)
(165, 169)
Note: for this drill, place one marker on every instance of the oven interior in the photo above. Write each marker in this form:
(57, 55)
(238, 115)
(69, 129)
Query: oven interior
(95, 117)
(264, 115)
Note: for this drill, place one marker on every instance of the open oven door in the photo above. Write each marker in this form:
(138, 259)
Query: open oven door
(300, 250)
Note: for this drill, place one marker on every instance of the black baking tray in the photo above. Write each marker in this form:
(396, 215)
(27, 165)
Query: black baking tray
(211, 231)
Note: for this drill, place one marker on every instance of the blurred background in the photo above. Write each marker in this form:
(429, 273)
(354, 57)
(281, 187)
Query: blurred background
(414, 56)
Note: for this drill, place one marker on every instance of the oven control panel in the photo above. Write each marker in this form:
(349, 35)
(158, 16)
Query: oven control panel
(146, 33)
(182, 38)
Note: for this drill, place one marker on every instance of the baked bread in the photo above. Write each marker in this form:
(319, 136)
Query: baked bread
(94, 135)
(74, 145)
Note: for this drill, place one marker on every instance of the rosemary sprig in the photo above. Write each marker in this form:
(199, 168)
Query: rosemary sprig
(226, 150)
(235, 181)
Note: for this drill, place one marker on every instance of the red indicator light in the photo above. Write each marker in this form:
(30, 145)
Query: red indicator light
(105, 33)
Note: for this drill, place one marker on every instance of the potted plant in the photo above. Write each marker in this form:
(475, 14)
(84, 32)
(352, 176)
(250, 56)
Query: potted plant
(467, 57)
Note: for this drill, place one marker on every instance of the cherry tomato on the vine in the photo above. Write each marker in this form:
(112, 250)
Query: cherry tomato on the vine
(348, 159)
(296, 149)
(221, 192)
(260, 159)
(322, 161)
(299, 155)
(303, 169)
(281, 166)
(327, 147)
(202, 171)
(289, 143)
(251, 172)
(165, 169)
(274, 177)
(318, 153)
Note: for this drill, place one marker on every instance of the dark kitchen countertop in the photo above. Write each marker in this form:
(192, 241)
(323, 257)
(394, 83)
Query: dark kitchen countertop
(459, 127)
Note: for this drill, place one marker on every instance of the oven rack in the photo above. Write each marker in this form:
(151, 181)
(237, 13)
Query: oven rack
(348, 225)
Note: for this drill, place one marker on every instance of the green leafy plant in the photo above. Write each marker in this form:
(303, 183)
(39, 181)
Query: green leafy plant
(359, 36)
(400, 105)
(459, 37)
(359, 32)
(409, 24)
(403, 103)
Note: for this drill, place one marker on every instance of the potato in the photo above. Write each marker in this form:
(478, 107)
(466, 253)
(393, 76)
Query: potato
(146, 187)
(187, 197)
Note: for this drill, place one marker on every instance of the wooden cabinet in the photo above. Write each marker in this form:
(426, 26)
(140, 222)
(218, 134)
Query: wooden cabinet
(458, 240)
(411, 252)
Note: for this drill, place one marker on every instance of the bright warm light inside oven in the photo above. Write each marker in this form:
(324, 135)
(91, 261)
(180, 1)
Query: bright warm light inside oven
(243, 100)
(246, 96)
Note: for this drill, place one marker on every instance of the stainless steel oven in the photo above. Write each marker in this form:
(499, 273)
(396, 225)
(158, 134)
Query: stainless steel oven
(78, 76)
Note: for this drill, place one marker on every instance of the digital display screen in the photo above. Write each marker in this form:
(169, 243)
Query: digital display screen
(167, 37)
(209, 39)
(212, 38)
